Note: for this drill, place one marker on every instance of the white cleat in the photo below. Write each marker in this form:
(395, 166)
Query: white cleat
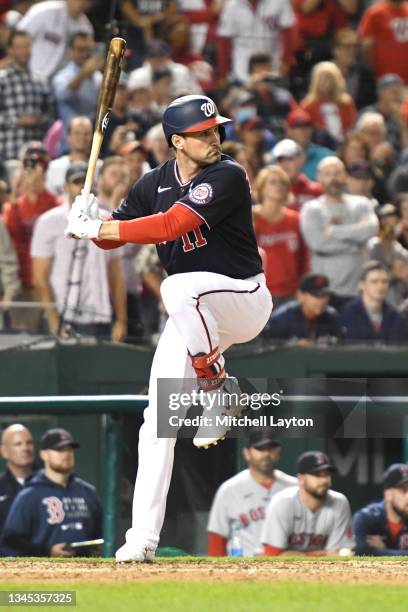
(127, 554)
(226, 406)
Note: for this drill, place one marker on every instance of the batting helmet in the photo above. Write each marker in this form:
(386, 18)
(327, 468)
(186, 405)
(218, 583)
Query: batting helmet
(190, 114)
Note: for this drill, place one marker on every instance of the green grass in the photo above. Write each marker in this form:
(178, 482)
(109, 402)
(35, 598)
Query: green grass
(228, 597)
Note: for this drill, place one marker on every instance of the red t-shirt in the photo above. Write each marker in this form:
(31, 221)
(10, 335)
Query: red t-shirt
(387, 25)
(304, 190)
(287, 256)
(19, 217)
(346, 111)
(319, 23)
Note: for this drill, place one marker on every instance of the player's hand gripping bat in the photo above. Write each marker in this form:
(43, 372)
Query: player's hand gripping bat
(107, 92)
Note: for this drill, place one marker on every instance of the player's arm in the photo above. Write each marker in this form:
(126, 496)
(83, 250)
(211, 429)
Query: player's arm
(341, 533)
(218, 527)
(275, 532)
(117, 292)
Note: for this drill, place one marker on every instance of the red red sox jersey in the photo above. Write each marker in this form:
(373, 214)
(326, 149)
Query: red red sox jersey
(220, 195)
(242, 501)
(290, 525)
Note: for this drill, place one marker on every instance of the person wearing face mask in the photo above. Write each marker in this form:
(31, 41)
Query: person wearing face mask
(336, 227)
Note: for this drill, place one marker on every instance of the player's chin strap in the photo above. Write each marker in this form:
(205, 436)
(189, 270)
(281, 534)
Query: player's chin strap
(209, 369)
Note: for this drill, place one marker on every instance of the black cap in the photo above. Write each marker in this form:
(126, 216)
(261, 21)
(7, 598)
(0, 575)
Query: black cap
(157, 48)
(261, 436)
(57, 438)
(361, 170)
(76, 171)
(312, 462)
(395, 476)
(389, 79)
(315, 284)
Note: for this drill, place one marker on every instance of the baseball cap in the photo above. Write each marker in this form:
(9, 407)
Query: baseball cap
(299, 118)
(286, 148)
(387, 210)
(395, 476)
(57, 438)
(361, 170)
(255, 123)
(76, 171)
(315, 284)
(389, 79)
(258, 437)
(35, 150)
(132, 145)
(241, 98)
(312, 462)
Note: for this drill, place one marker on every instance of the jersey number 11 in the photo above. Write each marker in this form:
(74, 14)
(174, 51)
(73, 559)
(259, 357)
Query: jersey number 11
(199, 240)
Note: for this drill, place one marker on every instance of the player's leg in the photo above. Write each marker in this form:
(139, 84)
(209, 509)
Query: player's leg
(155, 454)
(211, 312)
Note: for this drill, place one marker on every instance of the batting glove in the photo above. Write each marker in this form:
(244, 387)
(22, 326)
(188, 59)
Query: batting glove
(82, 226)
(87, 204)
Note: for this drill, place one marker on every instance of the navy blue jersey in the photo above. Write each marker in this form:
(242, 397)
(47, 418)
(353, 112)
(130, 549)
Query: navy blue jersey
(372, 520)
(225, 242)
(288, 322)
(45, 513)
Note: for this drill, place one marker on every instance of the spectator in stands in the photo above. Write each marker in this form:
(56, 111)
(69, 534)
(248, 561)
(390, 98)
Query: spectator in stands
(120, 118)
(17, 450)
(42, 515)
(397, 183)
(158, 57)
(290, 157)
(145, 20)
(273, 102)
(240, 503)
(310, 519)
(157, 146)
(161, 90)
(237, 151)
(371, 126)
(354, 149)
(381, 528)
(203, 16)
(278, 234)
(81, 280)
(307, 319)
(394, 257)
(10, 284)
(359, 80)
(253, 137)
(300, 129)
(331, 108)
(336, 227)
(151, 272)
(382, 30)
(113, 182)
(247, 27)
(134, 155)
(402, 229)
(76, 86)
(390, 88)
(51, 24)
(29, 200)
(361, 179)
(369, 318)
(177, 34)
(79, 137)
(26, 103)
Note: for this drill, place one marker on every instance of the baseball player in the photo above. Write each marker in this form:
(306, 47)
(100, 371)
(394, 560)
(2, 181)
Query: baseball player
(197, 209)
(241, 501)
(381, 528)
(310, 519)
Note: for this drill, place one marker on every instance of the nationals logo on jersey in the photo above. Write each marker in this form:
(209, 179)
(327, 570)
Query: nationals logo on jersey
(202, 194)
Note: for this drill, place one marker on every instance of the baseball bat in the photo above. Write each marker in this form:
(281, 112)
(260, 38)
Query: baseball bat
(107, 92)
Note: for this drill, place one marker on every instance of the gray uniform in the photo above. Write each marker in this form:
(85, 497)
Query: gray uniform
(290, 525)
(242, 501)
(340, 255)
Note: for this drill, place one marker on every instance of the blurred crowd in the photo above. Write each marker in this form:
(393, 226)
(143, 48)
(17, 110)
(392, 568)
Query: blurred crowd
(317, 90)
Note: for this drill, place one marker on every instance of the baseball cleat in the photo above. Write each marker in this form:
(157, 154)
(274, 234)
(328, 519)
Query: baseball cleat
(226, 405)
(127, 554)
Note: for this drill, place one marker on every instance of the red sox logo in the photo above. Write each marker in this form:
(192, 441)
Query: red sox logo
(55, 510)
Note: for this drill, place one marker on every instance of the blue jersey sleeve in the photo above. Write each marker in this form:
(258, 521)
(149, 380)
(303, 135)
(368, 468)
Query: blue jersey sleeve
(18, 529)
(222, 189)
(363, 527)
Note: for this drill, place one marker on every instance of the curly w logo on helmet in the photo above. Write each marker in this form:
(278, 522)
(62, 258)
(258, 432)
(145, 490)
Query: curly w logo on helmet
(208, 108)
